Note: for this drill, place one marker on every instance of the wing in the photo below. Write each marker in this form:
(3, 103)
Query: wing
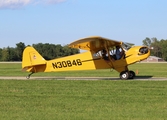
(94, 43)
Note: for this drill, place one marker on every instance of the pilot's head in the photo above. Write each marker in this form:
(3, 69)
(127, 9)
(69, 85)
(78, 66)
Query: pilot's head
(117, 47)
(104, 51)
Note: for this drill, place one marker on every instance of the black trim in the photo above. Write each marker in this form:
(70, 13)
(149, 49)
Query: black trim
(91, 60)
(128, 56)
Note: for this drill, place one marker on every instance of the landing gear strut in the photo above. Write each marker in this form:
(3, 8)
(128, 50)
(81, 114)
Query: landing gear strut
(127, 75)
(29, 75)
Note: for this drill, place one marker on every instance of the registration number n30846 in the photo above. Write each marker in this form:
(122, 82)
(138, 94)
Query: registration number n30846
(68, 63)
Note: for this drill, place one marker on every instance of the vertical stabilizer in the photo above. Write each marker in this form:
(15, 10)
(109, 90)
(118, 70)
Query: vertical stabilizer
(31, 58)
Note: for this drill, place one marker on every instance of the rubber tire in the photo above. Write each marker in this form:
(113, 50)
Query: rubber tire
(131, 74)
(124, 75)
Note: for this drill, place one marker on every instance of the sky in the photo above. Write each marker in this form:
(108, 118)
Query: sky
(64, 21)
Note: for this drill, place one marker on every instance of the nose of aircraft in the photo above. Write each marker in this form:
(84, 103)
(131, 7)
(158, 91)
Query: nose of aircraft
(143, 50)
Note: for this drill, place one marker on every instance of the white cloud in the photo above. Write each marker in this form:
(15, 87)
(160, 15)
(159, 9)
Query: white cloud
(53, 1)
(15, 4)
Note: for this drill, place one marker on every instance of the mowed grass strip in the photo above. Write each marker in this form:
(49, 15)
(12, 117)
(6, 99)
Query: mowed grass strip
(143, 69)
(104, 99)
(83, 100)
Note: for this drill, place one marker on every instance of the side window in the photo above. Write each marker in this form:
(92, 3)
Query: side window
(97, 54)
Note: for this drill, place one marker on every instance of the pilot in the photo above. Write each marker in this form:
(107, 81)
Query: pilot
(104, 54)
(119, 52)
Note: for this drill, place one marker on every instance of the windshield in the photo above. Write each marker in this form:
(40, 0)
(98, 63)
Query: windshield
(126, 46)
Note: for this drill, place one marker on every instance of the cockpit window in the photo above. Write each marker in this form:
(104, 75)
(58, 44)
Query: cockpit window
(126, 46)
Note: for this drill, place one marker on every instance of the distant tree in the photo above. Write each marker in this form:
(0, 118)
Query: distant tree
(75, 51)
(51, 51)
(5, 54)
(163, 45)
(19, 50)
(0, 54)
(48, 51)
(69, 51)
(153, 43)
(156, 51)
(147, 42)
(12, 54)
(66, 51)
(159, 47)
(58, 51)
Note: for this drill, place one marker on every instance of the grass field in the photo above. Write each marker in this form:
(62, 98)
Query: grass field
(84, 100)
(144, 69)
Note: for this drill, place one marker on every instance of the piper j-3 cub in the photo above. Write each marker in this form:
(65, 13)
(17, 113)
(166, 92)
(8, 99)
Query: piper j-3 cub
(101, 53)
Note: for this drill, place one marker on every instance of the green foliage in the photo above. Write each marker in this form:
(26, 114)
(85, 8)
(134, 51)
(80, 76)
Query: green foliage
(19, 50)
(12, 54)
(159, 47)
(51, 51)
(48, 51)
(4, 54)
(0, 54)
(147, 42)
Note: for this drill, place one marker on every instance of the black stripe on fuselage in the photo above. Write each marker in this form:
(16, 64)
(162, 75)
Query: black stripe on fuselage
(91, 60)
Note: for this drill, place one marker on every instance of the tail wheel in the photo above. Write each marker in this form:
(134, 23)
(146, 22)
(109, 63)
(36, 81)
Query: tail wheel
(28, 77)
(131, 74)
(124, 75)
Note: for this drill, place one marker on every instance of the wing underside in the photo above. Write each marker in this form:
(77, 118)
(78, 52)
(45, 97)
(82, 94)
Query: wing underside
(94, 43)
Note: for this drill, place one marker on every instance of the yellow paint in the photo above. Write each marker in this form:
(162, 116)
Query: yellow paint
(89, 60)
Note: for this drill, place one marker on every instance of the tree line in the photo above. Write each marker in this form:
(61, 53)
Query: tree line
(51, 51)
(158, 47)
(48, 51)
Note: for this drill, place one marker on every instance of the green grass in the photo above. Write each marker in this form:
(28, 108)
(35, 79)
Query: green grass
(144, 69)
(83, 100)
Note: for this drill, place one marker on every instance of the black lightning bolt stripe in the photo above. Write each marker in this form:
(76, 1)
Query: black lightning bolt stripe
(128, 56)
(91, 60)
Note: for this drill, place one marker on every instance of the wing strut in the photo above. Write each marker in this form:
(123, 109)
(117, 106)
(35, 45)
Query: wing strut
(111, 61)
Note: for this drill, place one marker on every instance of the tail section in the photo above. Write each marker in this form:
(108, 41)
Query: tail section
(32, 61)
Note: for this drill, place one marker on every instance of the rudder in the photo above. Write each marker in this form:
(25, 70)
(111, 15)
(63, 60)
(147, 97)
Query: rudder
(31, 58)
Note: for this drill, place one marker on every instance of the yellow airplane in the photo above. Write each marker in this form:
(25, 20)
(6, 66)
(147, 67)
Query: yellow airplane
(101, 53)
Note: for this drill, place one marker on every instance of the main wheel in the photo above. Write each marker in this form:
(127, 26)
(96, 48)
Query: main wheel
(131, 74)
(124, 75)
